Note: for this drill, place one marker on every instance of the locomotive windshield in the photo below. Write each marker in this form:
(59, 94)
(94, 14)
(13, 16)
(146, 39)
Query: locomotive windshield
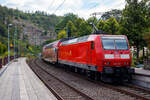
(108, 44)
(111, 43)
(121, 44)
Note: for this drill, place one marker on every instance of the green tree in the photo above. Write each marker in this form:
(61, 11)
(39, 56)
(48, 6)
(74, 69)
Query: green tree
(113, 13)
(146, 37)
(111, 26)
(77, 22)
(3, 30)
(72, 28)
(67, 17)
(62, 34)
(92, 19)
(3, 48)
(100, 25)
(134, 22)
(85, 29)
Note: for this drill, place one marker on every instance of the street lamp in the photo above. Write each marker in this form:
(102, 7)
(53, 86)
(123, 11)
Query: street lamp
(14, 41)
(9, 25)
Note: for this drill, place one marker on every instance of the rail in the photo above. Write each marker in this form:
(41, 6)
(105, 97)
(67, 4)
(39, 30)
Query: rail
(133, 91)
(31, 63)
(55, 93)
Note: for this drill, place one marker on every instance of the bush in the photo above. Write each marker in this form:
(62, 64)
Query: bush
(3, 48)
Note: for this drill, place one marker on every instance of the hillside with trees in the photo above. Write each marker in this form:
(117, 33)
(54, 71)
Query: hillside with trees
(40, 22)
(133, 21)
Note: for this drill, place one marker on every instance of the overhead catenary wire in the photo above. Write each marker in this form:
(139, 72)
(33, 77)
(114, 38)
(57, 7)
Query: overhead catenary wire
(87, 9)
(59, 6)
(94, 6)
(51, 4)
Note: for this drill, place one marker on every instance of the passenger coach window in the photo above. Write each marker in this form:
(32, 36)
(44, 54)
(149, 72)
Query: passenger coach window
(108, 44)
(121, 44)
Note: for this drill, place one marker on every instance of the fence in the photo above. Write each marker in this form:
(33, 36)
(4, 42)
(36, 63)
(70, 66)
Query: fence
(147, 62)
(4, 61)
(0, 62)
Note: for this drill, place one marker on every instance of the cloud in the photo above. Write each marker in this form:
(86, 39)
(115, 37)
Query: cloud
(104, 6)
(81, 7)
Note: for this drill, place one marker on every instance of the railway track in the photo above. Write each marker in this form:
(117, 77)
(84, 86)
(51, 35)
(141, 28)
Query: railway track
(139, 92)
(127, 89)
(69, 92)
(133, 91)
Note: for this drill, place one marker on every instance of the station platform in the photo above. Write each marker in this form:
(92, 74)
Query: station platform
(141, 77)
(18, 82)
(142, 71)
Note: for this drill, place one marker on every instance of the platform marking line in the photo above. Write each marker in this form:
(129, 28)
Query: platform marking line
(16, 86)
(23, 92)
(30, 89)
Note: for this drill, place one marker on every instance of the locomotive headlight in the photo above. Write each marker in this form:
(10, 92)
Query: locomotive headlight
(124, 56)
(109, 56)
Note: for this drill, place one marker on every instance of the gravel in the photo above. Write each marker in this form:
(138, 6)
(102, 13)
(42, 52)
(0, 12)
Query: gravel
(64, 91)
(93, 90)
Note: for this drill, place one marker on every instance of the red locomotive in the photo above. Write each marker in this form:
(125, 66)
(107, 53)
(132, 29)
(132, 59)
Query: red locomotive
(105, 57)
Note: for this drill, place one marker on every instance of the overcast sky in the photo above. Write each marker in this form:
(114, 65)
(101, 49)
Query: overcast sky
(83, 8)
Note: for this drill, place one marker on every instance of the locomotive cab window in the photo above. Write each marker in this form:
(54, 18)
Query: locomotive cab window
(108, 44)
(111, 43)
(121, 44)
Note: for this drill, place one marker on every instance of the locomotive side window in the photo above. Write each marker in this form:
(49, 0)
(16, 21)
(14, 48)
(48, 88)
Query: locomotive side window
(76, 40)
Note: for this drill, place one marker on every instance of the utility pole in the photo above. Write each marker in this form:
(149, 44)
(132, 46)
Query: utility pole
(14, 41)
(68, 32)
(17, 44)
(8, 43)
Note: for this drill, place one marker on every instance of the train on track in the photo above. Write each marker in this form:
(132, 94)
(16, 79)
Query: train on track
(100, 56)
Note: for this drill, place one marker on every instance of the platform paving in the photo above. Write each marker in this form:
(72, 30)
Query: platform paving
(142, 71)
(18, 82)
(141, 77)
